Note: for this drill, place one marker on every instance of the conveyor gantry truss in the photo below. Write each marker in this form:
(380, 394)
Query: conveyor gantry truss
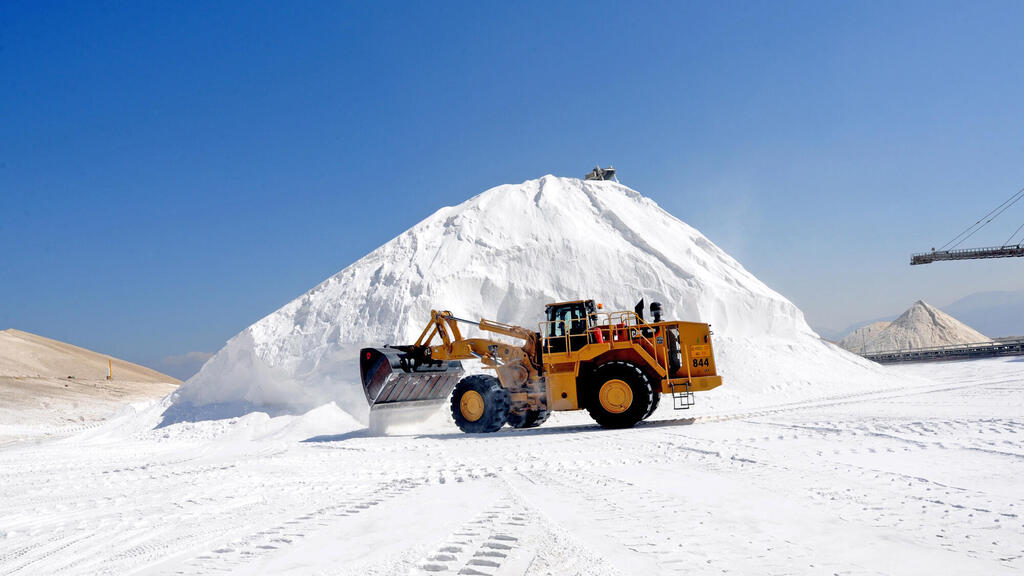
(967, 254)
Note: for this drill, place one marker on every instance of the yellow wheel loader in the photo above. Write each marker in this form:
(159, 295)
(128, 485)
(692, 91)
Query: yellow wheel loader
(616, 365)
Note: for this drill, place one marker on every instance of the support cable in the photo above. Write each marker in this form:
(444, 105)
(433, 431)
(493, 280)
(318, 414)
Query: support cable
(1014, 235)
(970, 230)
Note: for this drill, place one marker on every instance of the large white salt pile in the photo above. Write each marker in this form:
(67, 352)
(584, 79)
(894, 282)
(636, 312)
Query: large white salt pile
(502, 255)
(921, 326)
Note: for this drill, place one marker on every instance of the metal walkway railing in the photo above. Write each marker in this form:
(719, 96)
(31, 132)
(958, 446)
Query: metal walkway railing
(1013, 347)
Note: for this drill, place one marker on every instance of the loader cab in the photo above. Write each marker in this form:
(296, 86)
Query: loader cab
(567, 325)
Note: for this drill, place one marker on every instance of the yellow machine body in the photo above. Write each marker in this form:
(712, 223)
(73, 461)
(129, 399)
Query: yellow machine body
(555, 368)
(623, 336)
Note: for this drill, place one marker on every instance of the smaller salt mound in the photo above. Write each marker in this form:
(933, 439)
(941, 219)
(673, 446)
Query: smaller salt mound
(921, 326)
(857, 340)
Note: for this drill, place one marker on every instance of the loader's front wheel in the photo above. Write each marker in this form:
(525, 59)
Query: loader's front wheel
(619, 395)
(480, 404)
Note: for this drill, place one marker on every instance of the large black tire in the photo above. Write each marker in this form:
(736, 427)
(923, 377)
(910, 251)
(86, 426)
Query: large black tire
(486, 404)
(654, 404)
(527, 418)
(618, 409)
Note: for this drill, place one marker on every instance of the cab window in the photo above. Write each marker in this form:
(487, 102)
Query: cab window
(571, 317)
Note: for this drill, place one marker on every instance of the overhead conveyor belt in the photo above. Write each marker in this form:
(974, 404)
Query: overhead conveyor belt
(967, 254)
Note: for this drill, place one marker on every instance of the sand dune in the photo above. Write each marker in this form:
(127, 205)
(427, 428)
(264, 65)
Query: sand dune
(27, 355)
(47, 386)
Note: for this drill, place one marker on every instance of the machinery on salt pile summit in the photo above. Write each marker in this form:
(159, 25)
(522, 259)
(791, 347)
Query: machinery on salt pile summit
(615, 365)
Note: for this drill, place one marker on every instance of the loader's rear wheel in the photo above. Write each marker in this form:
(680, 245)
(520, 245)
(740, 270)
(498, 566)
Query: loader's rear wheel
(527, 418)
(619, 395)
(480, 404)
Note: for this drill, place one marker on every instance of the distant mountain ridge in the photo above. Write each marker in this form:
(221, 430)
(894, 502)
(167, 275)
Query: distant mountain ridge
(996, 313)
(833, 335)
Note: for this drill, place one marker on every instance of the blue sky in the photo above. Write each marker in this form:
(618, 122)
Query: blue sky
(170, 173)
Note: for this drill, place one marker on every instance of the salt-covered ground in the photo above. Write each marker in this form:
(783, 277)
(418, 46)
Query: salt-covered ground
(924, 479)
(39, 408)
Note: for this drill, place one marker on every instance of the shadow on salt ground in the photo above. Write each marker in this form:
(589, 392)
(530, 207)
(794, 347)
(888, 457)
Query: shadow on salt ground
(503, 433)
(361, 433)
(185, 412)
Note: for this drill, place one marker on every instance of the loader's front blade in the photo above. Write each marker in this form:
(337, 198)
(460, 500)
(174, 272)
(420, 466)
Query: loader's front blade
(403, 388)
